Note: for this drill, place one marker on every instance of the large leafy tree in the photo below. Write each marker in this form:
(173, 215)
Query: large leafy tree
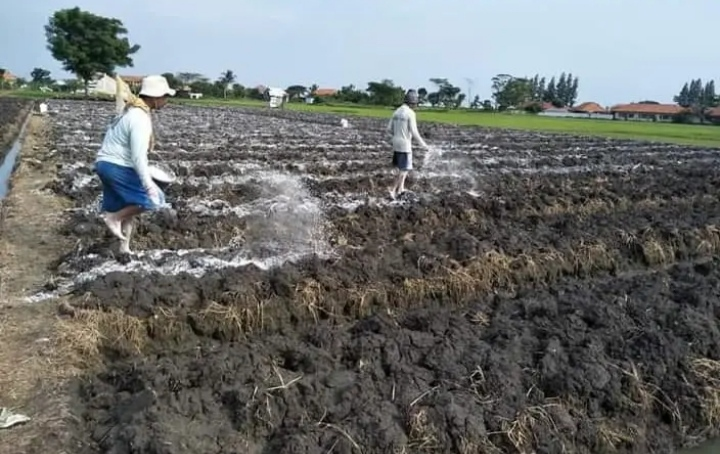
(385, 93)
(87, 44)
(40, 76)
(510, 91)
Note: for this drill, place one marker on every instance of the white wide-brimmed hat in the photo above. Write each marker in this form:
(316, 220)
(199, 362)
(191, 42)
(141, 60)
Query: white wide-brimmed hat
(156, 87)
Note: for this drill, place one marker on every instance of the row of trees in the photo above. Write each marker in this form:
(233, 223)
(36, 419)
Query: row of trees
(695, 94)
(531, 92)
(87, 44)
(697, 98)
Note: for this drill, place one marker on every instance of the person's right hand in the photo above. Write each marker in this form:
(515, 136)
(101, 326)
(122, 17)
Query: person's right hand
(153, 193)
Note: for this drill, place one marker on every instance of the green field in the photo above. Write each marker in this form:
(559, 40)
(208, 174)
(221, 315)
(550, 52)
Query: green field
(662, 132)
(701, 135)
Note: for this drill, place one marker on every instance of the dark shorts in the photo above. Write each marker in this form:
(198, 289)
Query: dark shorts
(402, 161)
(122, 187)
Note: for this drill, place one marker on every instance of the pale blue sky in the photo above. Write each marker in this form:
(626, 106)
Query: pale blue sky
(622, 50)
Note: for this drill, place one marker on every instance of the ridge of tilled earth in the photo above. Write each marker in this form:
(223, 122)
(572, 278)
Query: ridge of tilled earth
(623, 364)
(384, 247)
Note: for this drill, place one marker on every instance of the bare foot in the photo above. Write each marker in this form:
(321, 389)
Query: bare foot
(392, 193)
(114, 225)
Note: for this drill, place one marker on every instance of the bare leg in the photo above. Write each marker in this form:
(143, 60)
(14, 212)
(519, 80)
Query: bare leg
(400, 184)
(392, 190)
(128, 212)
(127, 230)
(114, 220)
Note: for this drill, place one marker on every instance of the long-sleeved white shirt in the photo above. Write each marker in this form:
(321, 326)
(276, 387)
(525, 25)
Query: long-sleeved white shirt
(127, 141)
(403, 127)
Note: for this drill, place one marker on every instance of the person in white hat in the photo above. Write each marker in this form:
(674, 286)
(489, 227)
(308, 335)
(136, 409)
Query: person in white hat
(403, 128)
(122, 162)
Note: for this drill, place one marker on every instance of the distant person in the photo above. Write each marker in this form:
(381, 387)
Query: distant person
(403, 127)
(122, 162)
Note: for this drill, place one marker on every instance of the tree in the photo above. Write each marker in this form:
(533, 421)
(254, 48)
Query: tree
(385, 93)
(695, 93)
(172, 80)
(296, 91)
(349, 93)
(563, 89)
(238, 90)
(683, 98)
(3, 71)
(709, 97)
(538, 87)
(448, 95)
(202, 84)
(551, 93)
(510, 91)
(227, 78)
(422, 95)
(40, 76)
(572, 92)
(188, 78)
(87, 44)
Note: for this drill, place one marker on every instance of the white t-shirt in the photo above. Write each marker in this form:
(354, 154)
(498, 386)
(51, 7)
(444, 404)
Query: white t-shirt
(403, 127)
(127, 141)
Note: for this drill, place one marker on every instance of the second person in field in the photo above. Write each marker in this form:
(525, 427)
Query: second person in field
(403, 127)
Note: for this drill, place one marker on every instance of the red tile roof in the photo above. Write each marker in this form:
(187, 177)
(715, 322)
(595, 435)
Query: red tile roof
(589, 107)
(325, 92)
(653, 109)
(713, 112)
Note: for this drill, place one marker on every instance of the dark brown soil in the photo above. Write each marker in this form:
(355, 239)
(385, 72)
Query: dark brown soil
(593, 366)
(571, 307)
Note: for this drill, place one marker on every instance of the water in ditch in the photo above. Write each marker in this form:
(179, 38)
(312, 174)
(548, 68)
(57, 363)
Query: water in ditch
(8, 164)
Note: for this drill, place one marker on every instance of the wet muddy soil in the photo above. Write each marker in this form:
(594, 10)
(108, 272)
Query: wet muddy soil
(535, 293)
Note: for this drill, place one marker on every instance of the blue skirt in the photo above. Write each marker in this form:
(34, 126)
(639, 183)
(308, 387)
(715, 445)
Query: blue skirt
(122, 187)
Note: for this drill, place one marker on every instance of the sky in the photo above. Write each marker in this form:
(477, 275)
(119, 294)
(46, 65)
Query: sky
(621, 50)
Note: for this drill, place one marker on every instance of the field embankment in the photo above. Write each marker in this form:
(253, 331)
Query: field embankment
(35, 365)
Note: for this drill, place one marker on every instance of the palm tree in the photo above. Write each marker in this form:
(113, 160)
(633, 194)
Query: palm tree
(227, 78)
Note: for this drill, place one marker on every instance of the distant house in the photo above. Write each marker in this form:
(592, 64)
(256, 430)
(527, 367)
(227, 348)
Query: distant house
(548, 107)
(276, 97)
(584, 110)
(589, 108)
(134, 82)
(713, 114)
(8, 79)
(646, 111)
(322, 92)
(186, 92)
(319, 93)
